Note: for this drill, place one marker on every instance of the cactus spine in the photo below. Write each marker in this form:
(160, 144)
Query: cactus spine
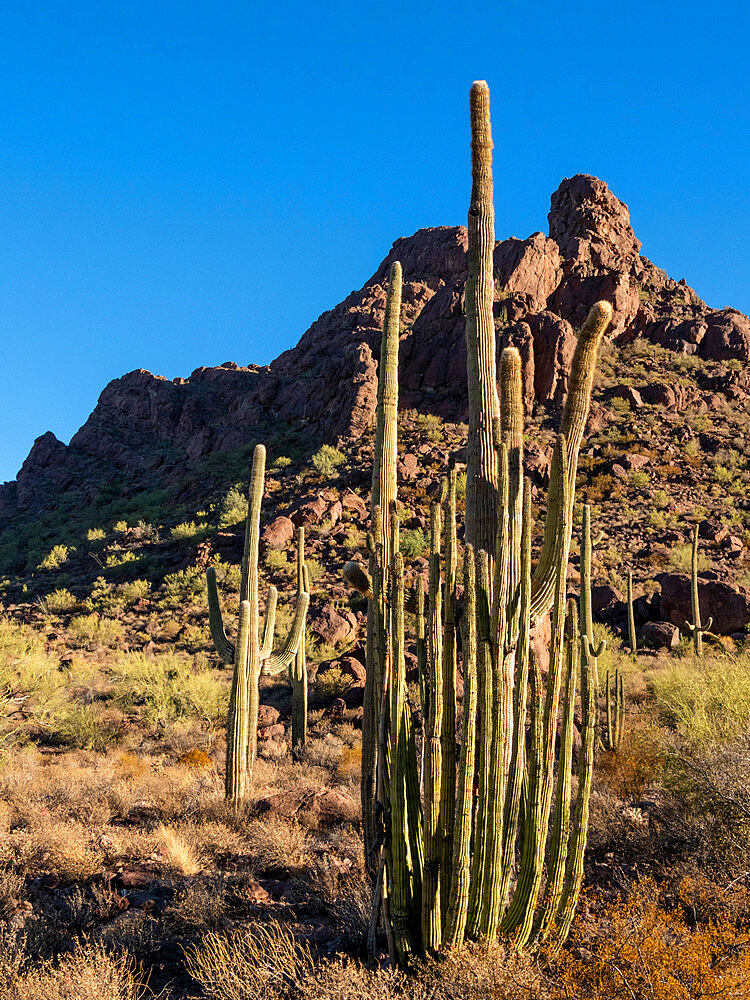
(632, 639)
(456, 865)
(250, 656)
(298, 669)
(696, 628)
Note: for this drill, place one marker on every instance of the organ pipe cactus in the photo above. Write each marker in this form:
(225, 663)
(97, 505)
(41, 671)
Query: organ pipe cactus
(251, 654)
(696, 628)
(452, 855)
(298, 670)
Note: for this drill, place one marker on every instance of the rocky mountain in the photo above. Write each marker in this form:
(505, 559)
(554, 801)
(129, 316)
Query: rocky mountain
(146, 425)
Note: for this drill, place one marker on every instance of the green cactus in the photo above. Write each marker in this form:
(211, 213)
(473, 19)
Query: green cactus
(591, 651)
(614, 692)
(452, 856)
(298, 670)
(696, 629)
(632, 638)
(251, 655)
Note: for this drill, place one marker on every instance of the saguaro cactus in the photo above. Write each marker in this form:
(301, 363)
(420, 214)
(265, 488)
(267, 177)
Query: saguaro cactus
(591, 650)
(696, 628)
(250, 655)
(632, 638)
(614, 709)
(298, 670)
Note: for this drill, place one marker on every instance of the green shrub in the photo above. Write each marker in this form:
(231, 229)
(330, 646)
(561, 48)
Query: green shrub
(414, 543)
(96, 535)
(705, 700)
(188, 531)
(327, 459)
(168, 687)
(55, 557)
(681, 558)
(282, 462)
(233, 508)
(83, 727)
(85, 629)
(59, 600)
(276, 559)
(120, 527)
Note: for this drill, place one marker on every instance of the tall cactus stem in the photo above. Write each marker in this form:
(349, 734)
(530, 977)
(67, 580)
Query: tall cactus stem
(573, 424)
(695, 628)
(632, 638)
(299, 663)
(484, 408)
(464, 811)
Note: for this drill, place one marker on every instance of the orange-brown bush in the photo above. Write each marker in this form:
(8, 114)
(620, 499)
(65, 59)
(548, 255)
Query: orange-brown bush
(644, 948)
(628, 771)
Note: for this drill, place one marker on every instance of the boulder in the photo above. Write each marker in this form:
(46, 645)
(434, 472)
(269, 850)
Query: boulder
(661, 635)
(277, 534)
(333, 625)
(727, 603)
(310, 806)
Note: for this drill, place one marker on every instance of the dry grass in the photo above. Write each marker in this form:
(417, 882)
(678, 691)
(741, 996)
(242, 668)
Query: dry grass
(87, 974)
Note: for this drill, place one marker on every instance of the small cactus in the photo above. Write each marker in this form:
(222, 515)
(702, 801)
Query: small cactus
(632, 638)
(614, 689)
(696, 629)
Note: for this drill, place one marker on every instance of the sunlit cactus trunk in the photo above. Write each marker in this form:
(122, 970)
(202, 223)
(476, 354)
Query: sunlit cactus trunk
(695, 628)
(298, 668)
(481, 469)
(632, 638)
(251, 654)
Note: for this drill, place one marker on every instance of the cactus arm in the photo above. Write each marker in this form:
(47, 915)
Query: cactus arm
(561, 818)
(399, 868)
(497, 652)
(384, 464)
(518, 750)
(696, 628)
(572, 427)
(277, 662)
(478, 885)
(299, 664)
(464, 811)
(431, 905)
(577, 842)
(223, 646)
(448, 682)
(519, 915)
(269, 623)
(356, 577)
(481, 467)
(587, 618)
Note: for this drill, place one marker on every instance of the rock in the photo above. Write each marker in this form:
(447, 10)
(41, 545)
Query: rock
(352, 667)
(731, 545)
(311, 806)
(354, 695)
(728, 604)
(275, 732)
(334, 625)
(713, 531)
(727, 336)
(629, 394)
(351, 501)
(603, 598)
(661, 635)
(310, 512)
(267, 716)
(277, 534)
(407, 467)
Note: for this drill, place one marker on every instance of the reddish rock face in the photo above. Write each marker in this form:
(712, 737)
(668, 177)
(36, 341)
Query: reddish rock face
(147, 428)
(728, 604)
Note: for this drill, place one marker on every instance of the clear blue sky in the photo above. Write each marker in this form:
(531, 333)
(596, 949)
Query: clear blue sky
(188, 183)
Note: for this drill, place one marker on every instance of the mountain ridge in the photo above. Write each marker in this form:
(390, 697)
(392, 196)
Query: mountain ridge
(145, 425)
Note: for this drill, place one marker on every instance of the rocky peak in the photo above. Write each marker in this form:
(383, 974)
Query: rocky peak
(584, 210)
